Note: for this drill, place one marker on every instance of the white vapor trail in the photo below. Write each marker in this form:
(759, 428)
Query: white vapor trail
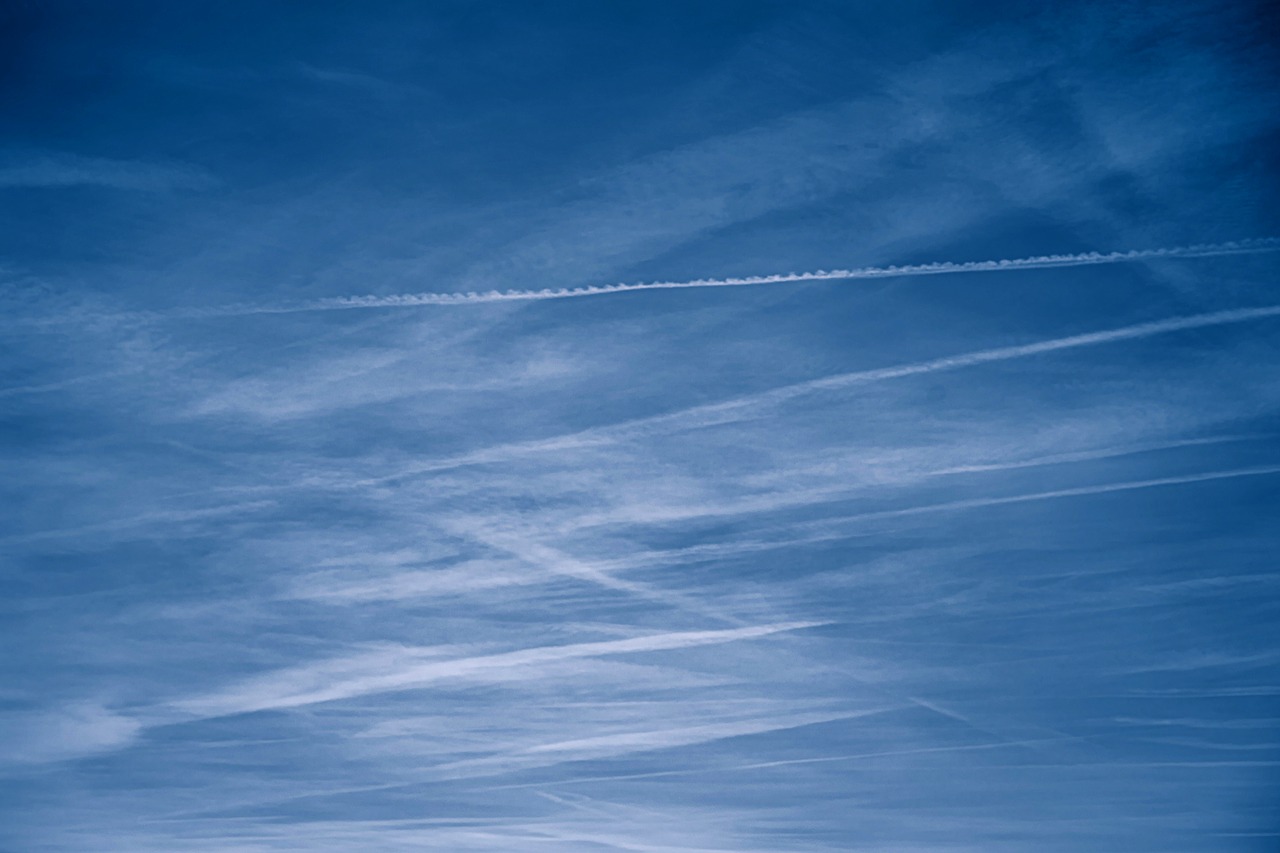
(1080, 491)
(787, 762)
(412, 300)
(729, 411)
(412, 668)
(712, 411)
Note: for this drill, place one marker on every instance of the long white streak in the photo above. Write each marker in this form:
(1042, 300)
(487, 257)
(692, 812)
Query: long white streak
(19, 390)
(1258, 471)
(954, 362)
(414, 300)
(728, 411)
(413, 668)
(1090, 455)
(663, 738)
(829, 529)
(557, 562)
(787, 499)
(706, 734)
(564, 801)
(630, 743)
(697, 771)
(160, 517)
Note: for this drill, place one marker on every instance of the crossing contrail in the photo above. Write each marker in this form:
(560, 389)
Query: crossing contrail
(413, 300)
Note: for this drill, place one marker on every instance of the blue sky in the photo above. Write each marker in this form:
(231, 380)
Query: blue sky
(944, 558)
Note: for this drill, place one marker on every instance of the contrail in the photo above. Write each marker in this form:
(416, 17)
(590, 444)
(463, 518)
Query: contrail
(739, 408)
(757, 765)
(408, 668)
(557, 562)
(413, 300)
(1056, 494)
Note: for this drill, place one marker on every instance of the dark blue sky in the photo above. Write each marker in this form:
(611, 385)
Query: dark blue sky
(954, 559)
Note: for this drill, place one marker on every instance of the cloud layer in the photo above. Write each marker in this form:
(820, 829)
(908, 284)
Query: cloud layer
(909, 552)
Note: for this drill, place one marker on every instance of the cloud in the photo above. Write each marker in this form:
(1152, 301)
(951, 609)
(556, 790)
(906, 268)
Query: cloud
(739, 408)
(64, 734)
(556, 562)
(1105, 488)
(620, 743)
(54, 171)
(570, 632)
(171, 518)
(409, 668)
(464, 578)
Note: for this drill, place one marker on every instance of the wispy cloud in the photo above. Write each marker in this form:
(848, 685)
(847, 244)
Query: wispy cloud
(894, 556)
(70, 732)
(151, 520)
(728, 411)
(1081, 491)
(617, 744)
(53, 171)
(825, 759)
(406, 668)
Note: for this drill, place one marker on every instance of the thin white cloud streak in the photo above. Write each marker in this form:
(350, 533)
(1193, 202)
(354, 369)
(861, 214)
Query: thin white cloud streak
(993, 452)
(1081, 491)
(908, 473)
(56, 171)
(1124, 333)
(691, 829)
(1200, 723)
(535, 738)
(1088, 455)
(159, 518)
(48, 387)
(474, 576)
(829, 529)
(620, 744)
(786, 762)
(414, 300)
(557, 562)
(466, 578)
(728, 411)
(628, 742)
(410, 668)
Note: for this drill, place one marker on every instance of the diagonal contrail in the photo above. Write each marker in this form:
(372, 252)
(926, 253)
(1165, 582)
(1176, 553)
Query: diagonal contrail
(413, 300)
(739, 408)
(1080, 491)
(406, 668)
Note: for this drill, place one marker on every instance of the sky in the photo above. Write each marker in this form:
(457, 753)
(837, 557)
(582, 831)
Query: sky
(575, 427)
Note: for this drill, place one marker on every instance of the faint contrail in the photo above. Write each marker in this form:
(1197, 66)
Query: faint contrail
(1080, 491)
(739, 408)
(557, 562)
(412, 300)
(408, 668)
(786, 762)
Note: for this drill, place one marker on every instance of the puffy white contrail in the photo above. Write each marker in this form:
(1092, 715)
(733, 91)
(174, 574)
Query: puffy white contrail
(412, 300)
